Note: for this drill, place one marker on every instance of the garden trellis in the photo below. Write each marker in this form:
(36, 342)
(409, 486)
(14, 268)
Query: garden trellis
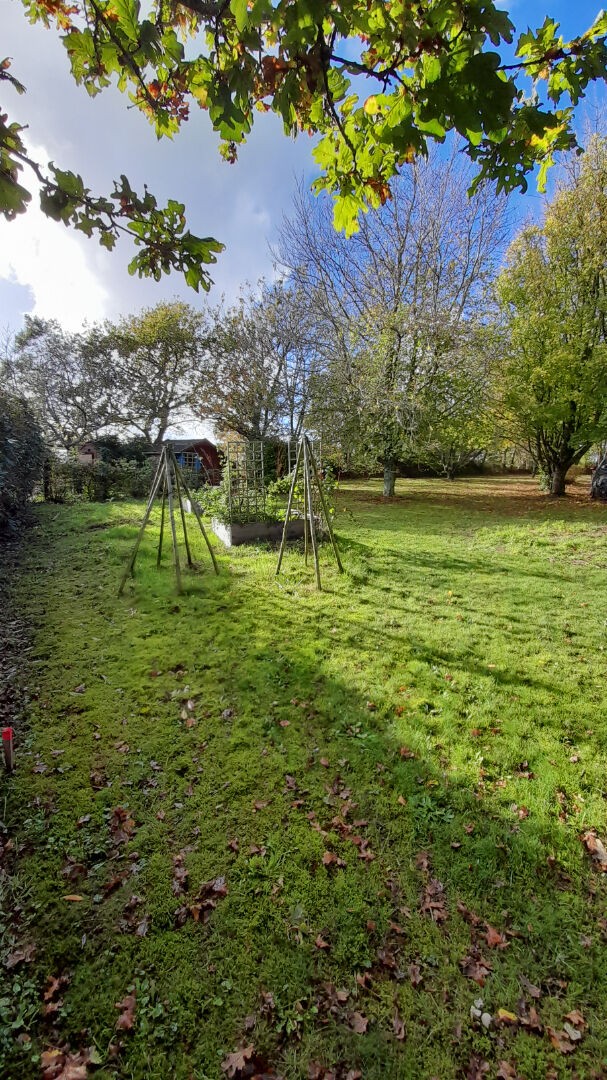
(170, 479)
(305, 463)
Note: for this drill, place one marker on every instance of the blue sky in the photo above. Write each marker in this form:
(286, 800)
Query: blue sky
(46, 269)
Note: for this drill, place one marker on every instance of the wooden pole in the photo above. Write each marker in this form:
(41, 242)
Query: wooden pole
(183, 521)
(197, 513)
(312, 525)
(325, 509)
(172, 521)
(288, 510)
(164, 496)
(306, 508)
(148, 510)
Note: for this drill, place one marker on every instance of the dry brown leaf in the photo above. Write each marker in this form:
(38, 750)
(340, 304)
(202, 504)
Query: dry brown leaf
(398, 1027)
(235, 1063)
(494, 939)
(596, 849)
(73, 897)
(575, 1017)
(475, 967)
(321, 943)
(415, 975)
(561, 1041)
(359, 1023)
(126, 1020)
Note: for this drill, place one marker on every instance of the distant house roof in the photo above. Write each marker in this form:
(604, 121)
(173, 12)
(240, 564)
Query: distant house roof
(180, 446)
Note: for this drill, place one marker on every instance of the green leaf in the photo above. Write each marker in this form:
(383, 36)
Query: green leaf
(128, 17)
(13, 197)
(240, 11)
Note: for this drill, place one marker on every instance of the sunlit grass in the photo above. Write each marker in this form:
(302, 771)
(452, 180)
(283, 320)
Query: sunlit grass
(447, 692)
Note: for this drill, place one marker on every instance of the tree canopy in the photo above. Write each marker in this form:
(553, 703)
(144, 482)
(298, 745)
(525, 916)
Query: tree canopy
(553, 382)
(376, 80)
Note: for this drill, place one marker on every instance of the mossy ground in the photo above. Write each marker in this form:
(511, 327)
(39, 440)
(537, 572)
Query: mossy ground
(446, 694)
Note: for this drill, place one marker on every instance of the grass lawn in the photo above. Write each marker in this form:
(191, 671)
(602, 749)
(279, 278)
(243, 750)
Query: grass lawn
(303, 834)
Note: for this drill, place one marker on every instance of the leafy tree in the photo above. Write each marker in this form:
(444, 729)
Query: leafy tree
(47, 366)
(554, 295)
(255, 379)
(146, 365)
(375, 80)
(394, 306)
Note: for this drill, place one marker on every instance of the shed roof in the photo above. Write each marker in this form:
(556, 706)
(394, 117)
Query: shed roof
(182, 445)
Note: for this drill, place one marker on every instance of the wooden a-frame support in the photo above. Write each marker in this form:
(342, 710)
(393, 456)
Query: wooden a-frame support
(169, 476)
(305, 462)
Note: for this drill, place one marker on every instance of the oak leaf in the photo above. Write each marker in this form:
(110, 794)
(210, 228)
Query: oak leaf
(236, 1062)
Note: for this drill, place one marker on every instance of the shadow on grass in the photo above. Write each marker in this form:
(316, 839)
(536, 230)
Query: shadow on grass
(286, 759)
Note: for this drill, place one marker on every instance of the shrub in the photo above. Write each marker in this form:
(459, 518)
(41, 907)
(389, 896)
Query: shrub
(21, 456)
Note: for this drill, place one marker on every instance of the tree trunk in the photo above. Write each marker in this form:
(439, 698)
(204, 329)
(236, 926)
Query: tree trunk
(598, 484)
(389, 478)
(557, 480)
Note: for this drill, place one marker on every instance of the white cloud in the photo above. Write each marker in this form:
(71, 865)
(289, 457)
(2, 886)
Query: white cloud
(44, 256)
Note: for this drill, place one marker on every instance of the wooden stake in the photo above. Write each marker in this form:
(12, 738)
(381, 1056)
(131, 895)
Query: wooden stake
(8, 748)
(196, 512)
(312, 523)
(148, 510)
(183, 521)
(288, 510)
(164, 496)
(172, 521)
(306, 508)
(324, 507)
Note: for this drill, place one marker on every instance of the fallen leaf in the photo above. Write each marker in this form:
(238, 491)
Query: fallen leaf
(324, 762)
(415, 975)
(561, 1041)
(530, 988)
(126, 1020)
(180, 874)
(398, 1027)
(235, 1063)
(359, 1023)
(401, 801)
(475, 967)
(477, 1068)
(595, 849)
(467, 915)
(261, 804)
(494, 939)
(407, 754)
(575, 1017)
(433, 901)
(321, 943)
(20, 956)
(506, 1071)
(505, 1017)
(73, 897)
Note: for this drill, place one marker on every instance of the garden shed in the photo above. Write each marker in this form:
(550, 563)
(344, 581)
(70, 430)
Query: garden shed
(199, 455)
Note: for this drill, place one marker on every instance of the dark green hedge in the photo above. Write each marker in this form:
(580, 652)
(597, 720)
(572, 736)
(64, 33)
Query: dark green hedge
(21, 457)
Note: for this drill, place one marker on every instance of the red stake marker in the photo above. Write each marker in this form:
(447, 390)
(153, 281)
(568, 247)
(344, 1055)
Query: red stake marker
(7, 746)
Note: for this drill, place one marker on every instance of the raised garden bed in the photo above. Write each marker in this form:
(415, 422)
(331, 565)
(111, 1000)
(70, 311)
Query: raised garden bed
(232, 535)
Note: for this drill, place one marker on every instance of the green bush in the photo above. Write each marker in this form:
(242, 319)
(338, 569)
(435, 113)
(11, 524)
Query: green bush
(73, 481)
(21, 456)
